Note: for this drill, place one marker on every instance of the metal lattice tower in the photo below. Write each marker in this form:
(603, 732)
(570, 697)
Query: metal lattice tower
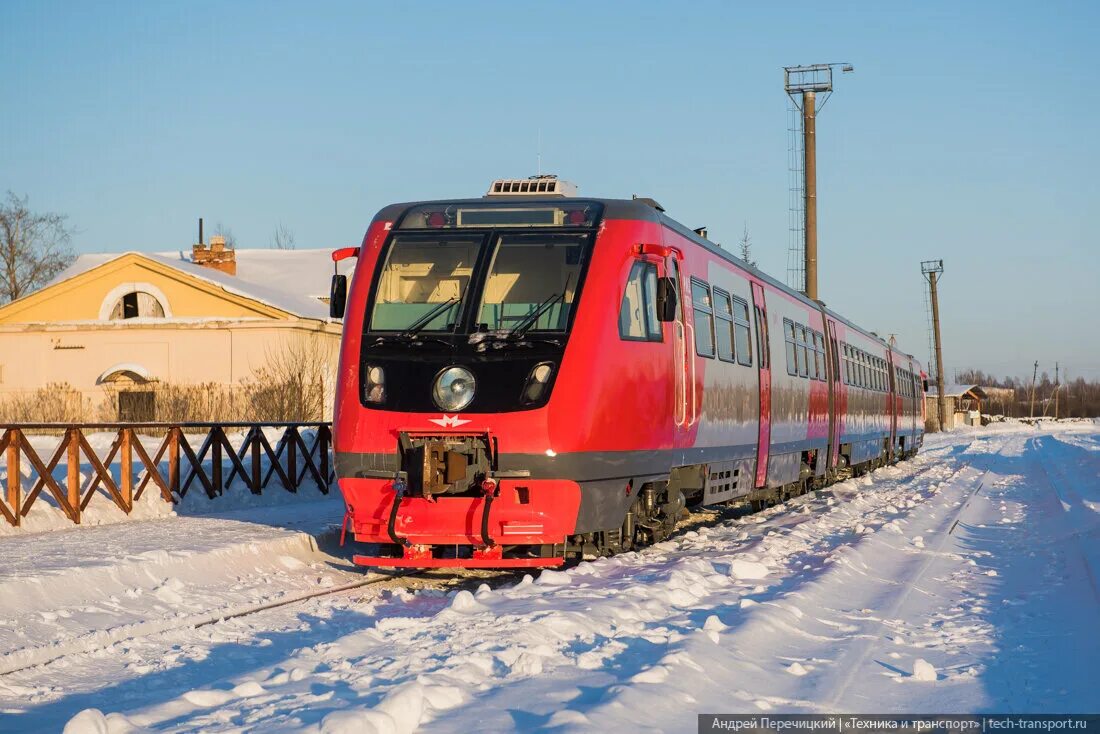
(931, 361)
(796, 162)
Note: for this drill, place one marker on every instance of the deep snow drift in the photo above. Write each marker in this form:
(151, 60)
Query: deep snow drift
(963, 580)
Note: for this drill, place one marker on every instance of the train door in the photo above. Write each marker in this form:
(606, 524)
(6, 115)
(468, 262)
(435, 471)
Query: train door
(892, 402)
(912, 405)
(764, 361)
(837, 401)
(683, 347)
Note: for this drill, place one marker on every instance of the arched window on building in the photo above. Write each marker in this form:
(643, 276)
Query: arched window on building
(137, 304)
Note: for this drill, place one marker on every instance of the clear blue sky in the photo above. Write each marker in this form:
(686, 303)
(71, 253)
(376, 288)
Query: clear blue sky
(967, 132)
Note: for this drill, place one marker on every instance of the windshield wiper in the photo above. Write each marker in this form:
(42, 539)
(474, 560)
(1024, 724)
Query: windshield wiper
(427, 318)
(532, 318)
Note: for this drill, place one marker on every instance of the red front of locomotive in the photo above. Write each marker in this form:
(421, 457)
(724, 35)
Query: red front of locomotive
(479, 340)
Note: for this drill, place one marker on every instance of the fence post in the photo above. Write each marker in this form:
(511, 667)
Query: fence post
(256, 474)
(323, 437)
(216, 436)
(72, 474)
(127, 469)
(174, 461)
(292, 458)
(15, 486)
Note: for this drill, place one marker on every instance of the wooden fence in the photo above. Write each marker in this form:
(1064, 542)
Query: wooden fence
(300, 452)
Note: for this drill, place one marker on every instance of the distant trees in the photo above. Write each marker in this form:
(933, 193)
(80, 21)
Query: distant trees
(746, 247)
(227, 233)
(1077, 398)
(33, 247)
(282, 238)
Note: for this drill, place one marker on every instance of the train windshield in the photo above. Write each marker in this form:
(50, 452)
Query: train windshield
(424, 283)
(532, 282)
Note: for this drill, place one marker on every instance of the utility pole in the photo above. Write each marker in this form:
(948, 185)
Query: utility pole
(1056, 384)
(1034, 377)
(809, 137)
(806, 82)
(932, 270)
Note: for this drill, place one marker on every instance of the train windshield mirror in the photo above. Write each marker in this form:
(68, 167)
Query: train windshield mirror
(421, 275)
(529, 274)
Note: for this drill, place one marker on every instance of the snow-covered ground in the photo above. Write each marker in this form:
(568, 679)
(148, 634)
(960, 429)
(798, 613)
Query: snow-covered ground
(963, 580)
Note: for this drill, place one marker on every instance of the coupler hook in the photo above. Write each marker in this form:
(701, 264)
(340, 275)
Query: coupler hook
(489, 487)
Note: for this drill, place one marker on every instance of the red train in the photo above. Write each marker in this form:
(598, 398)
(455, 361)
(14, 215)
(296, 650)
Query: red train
(532, 376)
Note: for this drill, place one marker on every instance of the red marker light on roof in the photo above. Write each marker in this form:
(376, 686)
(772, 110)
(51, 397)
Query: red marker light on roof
(575, 217)
(436, 219)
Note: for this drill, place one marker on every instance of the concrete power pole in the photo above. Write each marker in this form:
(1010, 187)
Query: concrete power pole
(1034, 377)
(809, 137)
(932, 270)
(1056, 384)
(806, 82)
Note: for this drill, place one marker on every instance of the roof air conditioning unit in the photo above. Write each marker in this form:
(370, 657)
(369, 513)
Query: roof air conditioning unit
(544, 185)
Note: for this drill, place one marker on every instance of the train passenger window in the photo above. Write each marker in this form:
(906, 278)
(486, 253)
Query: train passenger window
(723, 324)
(788, 338)
(704, 318)
(806, 353)
(803, 364)
(836, 358)
(762, 337)
(741, 340)
(638, 312)
(819, 355)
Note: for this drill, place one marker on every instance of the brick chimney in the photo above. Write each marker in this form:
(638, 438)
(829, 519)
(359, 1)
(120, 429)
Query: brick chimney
(216, 256)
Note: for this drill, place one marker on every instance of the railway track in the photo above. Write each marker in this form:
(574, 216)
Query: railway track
(851, 663)
(28, 658)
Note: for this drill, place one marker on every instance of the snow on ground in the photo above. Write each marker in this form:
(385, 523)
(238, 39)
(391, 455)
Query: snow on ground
(963, 580)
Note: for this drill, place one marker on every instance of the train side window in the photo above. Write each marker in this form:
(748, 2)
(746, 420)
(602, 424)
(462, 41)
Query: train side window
(652, 323)
(741, 340)
(803, 363)
(819, 354)
(704, 318)
(847, 366)
(836, 358)
(723, 324)
(638, 312)
(762, 337)
(788, 338)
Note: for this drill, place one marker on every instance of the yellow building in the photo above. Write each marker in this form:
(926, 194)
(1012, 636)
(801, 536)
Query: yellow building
(119, 328)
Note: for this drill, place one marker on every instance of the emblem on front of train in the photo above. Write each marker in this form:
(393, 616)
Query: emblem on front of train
(449, 421)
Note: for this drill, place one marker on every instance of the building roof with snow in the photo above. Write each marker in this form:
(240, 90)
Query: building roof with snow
(294, 281)
(958, 391)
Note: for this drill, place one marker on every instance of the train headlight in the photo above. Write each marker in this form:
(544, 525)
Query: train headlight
(454, 388)
(374, 384)
(537, 381)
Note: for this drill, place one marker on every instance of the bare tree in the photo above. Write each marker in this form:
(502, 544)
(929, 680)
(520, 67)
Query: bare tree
(746, 247)
(33, 248)
(227, 233)
(282, 238)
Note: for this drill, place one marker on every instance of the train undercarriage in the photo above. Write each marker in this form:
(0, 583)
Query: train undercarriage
(446, 470)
